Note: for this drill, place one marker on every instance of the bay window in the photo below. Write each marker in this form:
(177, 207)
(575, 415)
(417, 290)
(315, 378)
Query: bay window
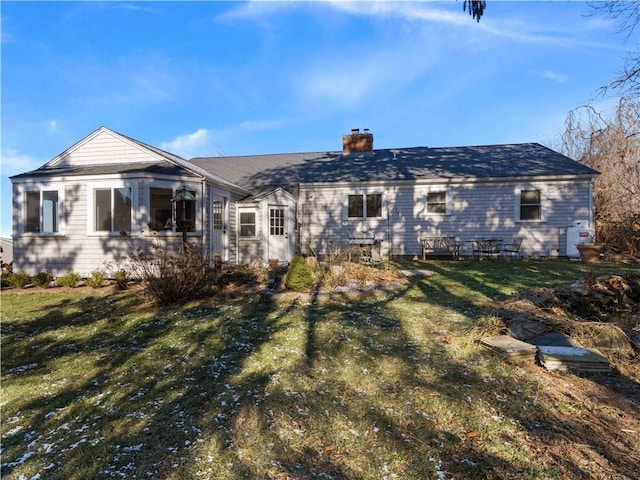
(112, 209)
(161, 209)
(42, 211)
(167, 214)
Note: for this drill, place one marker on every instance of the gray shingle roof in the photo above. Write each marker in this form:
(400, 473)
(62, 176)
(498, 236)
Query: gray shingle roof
(164, 168)
(478, 162)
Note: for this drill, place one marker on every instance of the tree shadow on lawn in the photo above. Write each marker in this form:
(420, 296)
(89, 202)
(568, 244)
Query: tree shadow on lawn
(469, 425)
(554, 429)
(148, 387)
(353, 394)
(462, 431)
(415, 409)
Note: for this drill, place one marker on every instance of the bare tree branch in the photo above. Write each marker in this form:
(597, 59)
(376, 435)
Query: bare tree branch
(611, 145)
(626, 16)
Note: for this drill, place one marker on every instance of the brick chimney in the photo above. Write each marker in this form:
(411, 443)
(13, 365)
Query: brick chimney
(357, 142)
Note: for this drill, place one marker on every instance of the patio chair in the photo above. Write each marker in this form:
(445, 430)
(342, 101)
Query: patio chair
(512, 250)
(486, 248)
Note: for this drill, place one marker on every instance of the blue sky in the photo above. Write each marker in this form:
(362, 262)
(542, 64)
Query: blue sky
(233, 78)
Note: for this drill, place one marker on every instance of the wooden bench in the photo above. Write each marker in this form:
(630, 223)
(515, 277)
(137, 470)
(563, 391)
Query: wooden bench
(441, 245)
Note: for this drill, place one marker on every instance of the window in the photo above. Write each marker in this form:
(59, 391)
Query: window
(161, 209)
(218, 210)
(42, 211)
(276, 221)
(530, 205)
(437, 203)
(356, 206)
(374, 205)
(167, 213)
(186, 210)
(364, 206)
(247, 224)
(112, 209)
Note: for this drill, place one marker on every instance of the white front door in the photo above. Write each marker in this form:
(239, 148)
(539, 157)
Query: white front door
(219, 227)
(278, 233)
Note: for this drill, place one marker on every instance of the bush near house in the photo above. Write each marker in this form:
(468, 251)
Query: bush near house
(42, 280)
(122, 279)
(97, 279)
(70, 280)
(172, 277)
(18, 280)
(299, 276)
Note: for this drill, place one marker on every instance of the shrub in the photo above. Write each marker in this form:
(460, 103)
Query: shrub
(42, 279)
(97, 279)
(299, 276)
(71, 279)
(171, 277)
(19, 280)
(122, 279)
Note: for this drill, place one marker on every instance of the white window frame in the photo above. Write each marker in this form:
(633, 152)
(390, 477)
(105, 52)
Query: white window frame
(40, 188)
(364, 194)
(446, 189)
(253, 210)
(103, 185)
(175, 187)
(543, 203)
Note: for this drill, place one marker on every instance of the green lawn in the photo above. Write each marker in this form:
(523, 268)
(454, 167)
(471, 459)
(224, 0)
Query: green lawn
(390, 385)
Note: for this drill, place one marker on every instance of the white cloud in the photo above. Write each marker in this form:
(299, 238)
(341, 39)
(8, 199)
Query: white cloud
(53, 125)
(213, 142)
(361, 77)
(451, 15)
(13, 163)
(555, 76)
(405, 10)
(188, 145)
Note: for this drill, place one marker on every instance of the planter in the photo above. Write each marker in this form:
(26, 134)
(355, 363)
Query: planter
(589, 253)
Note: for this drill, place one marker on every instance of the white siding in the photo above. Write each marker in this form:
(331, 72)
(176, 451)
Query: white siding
(75, 250)
(103, 146)
(475, 210)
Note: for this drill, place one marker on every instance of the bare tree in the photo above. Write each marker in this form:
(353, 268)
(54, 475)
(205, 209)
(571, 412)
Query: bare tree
(610, 145)
(626, 15)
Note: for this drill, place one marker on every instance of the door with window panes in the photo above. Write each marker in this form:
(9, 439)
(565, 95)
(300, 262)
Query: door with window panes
(219, 226)
(278, 233)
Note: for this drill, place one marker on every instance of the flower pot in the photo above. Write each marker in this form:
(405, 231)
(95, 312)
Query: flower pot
(589, 253)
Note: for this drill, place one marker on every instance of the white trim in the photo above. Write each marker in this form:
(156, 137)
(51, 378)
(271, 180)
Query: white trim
(364, 192)
(222, 196)
(112, 184)
(21, 192)
(423, 194)
(248, 209)
(174, 186)
(543, 202)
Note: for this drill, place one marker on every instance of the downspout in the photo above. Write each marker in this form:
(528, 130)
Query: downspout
(204, 253)
(592, 216)
(237, 232)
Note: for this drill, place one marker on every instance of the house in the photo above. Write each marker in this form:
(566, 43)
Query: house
(69, 213)
(6, 250)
